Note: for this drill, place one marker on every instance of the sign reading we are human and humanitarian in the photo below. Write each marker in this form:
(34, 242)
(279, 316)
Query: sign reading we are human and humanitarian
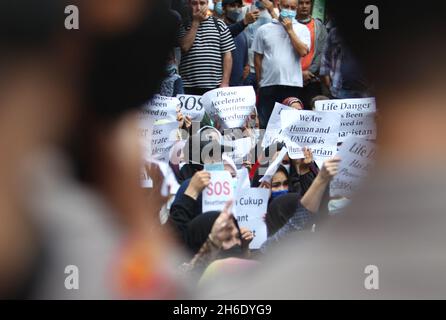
(312, 129)
(161, 108)
(250, 208)
(231, 106)
(357, 158)
(274, 128)
(357, 116)
(191, 106)
(218, 192)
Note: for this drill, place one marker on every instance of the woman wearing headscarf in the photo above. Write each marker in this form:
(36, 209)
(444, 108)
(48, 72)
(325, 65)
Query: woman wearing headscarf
(305, 212)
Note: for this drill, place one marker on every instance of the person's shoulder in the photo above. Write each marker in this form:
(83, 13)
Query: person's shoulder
(266, 27)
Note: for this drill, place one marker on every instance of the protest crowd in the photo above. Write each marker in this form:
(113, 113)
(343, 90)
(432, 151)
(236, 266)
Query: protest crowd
(192, 139)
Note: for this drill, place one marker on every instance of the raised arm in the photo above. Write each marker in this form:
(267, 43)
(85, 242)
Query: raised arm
(313, 197)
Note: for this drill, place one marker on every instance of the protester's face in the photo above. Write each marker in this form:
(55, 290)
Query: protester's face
(279, 182)
(288, 4)
(304, 8)
(198, 5)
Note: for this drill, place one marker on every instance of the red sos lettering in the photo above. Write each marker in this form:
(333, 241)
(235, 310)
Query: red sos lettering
(219, 188)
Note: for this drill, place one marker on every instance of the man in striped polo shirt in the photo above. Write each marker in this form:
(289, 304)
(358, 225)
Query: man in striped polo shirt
(206, 46)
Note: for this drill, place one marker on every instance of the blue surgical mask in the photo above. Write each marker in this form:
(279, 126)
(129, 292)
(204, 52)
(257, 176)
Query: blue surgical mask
(219, 8)
(287, 13)
(234, 15)
(276, 194)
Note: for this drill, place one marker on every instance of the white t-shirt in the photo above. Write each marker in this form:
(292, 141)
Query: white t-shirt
(281, 63)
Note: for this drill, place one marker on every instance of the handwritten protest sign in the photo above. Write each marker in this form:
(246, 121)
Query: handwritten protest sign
(274, 128)
(341, 105)
(161, 108)
(357, 158)
(357, 116)
(250, 207)
(218, 192)
(230, 106)
(191, 106)
(315, 130)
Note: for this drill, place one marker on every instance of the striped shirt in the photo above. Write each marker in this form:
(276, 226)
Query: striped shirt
(201, 66)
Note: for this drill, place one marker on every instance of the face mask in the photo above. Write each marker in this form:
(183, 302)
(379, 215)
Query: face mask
(286, 13)
(287, 167)
(276, 194)
(234, 14)
(219, 8)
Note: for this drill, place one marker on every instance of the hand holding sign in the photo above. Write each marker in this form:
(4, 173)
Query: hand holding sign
(330, 169)
(199, 181)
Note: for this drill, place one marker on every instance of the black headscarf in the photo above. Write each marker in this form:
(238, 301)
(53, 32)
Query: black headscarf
(280, 210)
(199, 229)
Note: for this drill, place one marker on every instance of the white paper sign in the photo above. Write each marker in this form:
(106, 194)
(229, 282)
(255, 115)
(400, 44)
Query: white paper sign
(357, 158)
(274, 127)
(250, 208)
(161, 108)
(341, 105)
(357, 116)
(191, 106)
(272, 169)
(312, 129)
(243, 181)
(231, 106)
(156, 143)
(241, 148)
(218, 192)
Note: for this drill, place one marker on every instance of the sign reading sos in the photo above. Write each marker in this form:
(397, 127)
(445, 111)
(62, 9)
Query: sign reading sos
(218, 192)
(219, 188)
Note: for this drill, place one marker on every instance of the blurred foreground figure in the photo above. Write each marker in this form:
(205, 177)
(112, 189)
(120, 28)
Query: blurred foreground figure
(397, 222)
(75, 222)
